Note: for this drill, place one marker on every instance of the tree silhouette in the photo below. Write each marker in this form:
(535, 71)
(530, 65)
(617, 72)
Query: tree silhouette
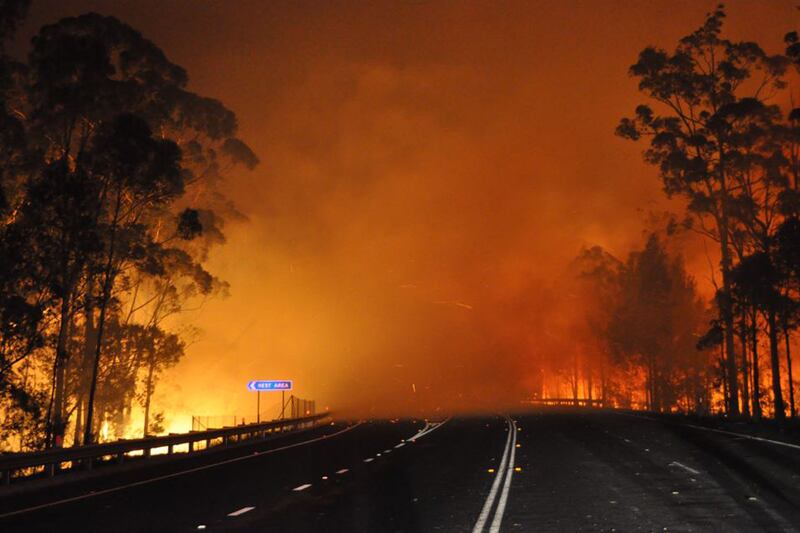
(757, 279)
(107, 220)
(703, 89)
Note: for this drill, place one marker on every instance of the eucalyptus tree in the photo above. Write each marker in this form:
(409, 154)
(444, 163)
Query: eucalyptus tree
(787, 257)
(597, 283)
(654, 325)
(139, 171)
(760, 170)
(12, 138)
(690, 135)
(18, 317)
(107, 110)
(758, 280)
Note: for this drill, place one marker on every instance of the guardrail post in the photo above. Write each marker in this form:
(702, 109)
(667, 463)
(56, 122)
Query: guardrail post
(49, 463)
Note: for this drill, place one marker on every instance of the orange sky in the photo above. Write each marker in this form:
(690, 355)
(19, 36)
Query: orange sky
(428, 170)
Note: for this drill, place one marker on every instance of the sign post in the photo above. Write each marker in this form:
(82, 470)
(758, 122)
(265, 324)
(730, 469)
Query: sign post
(269, 385)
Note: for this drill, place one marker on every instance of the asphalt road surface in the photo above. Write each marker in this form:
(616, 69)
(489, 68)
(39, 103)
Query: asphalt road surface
(547, 471)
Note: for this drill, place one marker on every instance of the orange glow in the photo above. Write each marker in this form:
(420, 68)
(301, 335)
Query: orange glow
(421, 194)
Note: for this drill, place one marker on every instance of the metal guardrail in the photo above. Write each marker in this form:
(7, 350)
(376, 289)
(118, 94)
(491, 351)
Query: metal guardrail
(580, 402)
(52, 459)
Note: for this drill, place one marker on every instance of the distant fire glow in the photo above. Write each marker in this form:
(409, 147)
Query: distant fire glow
(403, 208)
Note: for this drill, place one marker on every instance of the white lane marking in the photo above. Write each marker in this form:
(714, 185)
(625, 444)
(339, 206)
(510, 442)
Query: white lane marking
(421, 432)
(387, 451)
(785, 526)
(501, 503)
(687, 468)
(750, 437)
(301, 487)
(400, 445)
(241, 511)
(429, 428)
(721, 431)
(487, 506)
(368, 460)
(342, 471)
(201, 526)
(177, 474)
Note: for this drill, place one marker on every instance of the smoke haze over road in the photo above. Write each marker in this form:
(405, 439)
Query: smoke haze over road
(429, 170)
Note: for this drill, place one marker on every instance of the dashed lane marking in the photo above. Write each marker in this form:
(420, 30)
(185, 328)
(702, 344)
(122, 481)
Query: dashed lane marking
(687, 468)
(177, 474)
(429, 428)
(241, 511)
(301, 487)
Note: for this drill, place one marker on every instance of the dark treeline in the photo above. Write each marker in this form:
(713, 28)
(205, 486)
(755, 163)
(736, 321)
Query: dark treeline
(644, 317)
(110, 200)
(722, 132)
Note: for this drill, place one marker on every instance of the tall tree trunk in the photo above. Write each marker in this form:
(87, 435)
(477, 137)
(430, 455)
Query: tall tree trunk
(792, 411)
(575, 379)
(148, 391)
(651, 391)
(76, 436)
(724, 378)
(88, 437)
(603, 382)
(108, 282)
(589, 385)
(756, 369)
(84, 376)
(745, 373)
(60, 373)
(777, 394)
(726, 309)
(49, 417)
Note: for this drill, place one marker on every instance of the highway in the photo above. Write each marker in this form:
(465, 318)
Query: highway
(553, 470)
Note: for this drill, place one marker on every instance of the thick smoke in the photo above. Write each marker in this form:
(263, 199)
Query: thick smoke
(429, 171)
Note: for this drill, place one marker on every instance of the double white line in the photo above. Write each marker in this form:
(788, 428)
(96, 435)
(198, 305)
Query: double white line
(505, 471)
(429, 427)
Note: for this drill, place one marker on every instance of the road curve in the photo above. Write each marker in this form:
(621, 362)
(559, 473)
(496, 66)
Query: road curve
(545, 471)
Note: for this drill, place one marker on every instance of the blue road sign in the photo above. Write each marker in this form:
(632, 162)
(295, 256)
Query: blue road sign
(262, 385)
